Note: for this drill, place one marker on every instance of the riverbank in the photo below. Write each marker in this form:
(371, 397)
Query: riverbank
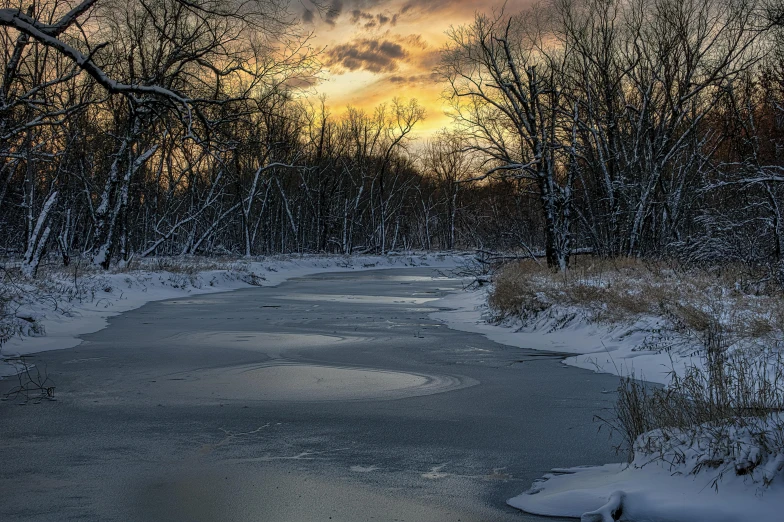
(62, 303)
(712, 339)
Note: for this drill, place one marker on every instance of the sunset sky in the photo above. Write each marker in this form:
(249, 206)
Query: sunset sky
(378, 49)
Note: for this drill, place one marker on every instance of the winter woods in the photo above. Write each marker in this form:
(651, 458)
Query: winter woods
(164, 127)
(624, 119)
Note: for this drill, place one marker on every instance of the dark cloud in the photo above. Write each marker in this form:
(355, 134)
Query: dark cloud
(358, 15)
(380, 54)
(369, 20)
(334, 12)
(392, 49)
(302, 82)
(416, 79)
(307, 16)
(365, 53)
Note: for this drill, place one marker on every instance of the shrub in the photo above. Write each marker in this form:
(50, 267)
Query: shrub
(724, 415)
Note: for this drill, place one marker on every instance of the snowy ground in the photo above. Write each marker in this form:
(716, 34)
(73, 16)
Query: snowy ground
(52, 317)
(601, 347)
(651, 488)
(651, 494)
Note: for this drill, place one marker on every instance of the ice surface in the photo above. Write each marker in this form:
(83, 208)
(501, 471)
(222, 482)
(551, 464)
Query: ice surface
(305, 382)
(125, 291)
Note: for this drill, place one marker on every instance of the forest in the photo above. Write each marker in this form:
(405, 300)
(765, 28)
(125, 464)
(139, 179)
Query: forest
(643, 128)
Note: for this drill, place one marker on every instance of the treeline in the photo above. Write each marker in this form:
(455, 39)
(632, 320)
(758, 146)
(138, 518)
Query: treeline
(164, 127)
(643, 127)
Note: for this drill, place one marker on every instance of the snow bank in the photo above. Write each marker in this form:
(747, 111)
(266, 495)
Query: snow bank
(675, 476)
(686, 483)
(607, 348)
(52, 317)
(651, 494)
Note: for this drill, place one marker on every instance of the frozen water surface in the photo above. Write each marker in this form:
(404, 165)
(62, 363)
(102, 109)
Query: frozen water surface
(365, 299)
(271, 343)
(274, 404)
(307, 382)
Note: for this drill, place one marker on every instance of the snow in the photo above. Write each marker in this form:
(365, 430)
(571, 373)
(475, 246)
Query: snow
(676, 482)
(652, 490)
(651, 494)
(49, 327)
(601, 347)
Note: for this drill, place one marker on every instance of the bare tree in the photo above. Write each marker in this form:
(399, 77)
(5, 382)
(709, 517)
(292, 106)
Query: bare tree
(506, 93)
(644, 76)
(452, 164)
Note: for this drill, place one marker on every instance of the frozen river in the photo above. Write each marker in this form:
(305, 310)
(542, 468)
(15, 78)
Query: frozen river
(328, 397)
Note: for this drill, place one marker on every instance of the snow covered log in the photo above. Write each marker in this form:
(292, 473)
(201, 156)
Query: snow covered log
(609, 512)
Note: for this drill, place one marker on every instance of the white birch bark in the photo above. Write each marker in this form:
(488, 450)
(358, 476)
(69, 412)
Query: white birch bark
(38, 238)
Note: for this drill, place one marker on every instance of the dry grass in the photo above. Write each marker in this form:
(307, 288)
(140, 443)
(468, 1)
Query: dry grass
(744, 302)
(725, 414)
(725, 417)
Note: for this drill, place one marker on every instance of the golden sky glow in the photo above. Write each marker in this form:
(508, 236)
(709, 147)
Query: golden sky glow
(375, 50)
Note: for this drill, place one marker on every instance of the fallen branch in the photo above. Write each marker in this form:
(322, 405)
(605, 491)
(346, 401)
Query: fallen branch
(32, 386)
(488, 257)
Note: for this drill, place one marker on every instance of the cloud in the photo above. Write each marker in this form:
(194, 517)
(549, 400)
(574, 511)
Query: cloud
(376, 14)
(369, 20)
(457, 9)
(414, 79)
(357, 15)
(302, 82)
(379, 54)
(334, 12)
(441, 5)
(374, 55)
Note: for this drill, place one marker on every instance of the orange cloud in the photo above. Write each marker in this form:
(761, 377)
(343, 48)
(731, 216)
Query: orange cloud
(372, 55)
(378, 49)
